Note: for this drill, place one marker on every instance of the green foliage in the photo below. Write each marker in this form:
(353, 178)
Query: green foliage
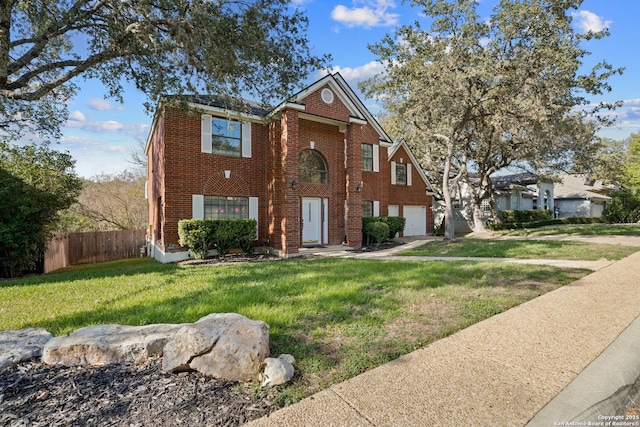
(377, 232)
(251, 47)
(524, 215)
(197, 235)
(536, 224)
(225, 237)
(200, 235)
(632, 163)
(624, 207)
(396, 224)
(36, 183)
(483, 94)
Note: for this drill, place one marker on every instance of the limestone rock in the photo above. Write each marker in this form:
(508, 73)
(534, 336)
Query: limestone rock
(226, 346)
(105, 344)
(277, 371)
(25, 344)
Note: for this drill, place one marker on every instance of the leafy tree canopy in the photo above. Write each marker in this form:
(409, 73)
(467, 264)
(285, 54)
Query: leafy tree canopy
(35, 184)
(224, 47)
(479, 95)
(632, 163)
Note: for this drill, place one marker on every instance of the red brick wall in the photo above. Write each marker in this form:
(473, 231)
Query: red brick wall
(316, 106)
(409, 195)
(189, 172)
(329, 142)
(178, 169)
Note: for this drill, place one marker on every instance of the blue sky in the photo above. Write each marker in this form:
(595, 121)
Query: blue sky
(100, 133)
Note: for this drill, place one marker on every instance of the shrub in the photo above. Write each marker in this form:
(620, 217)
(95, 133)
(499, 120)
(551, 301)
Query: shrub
(624, 207)
(377, 231)
(197, 235)
(512, 216)
(396, 224)
(536, 224)
(200, 235)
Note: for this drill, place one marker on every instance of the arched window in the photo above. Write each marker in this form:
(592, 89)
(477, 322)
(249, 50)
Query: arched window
(312, 169)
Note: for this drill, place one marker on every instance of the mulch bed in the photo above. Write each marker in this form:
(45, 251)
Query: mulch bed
(35, 394)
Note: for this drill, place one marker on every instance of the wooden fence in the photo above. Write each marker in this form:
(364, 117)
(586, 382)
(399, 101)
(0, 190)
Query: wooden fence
(88, 248)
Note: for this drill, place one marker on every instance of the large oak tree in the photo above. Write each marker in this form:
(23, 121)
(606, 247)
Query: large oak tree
(480, 95)
(224, 47)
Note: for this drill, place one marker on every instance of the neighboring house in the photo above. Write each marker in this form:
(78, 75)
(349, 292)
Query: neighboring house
(307, 171)
(578, 195)
(523, 191)
(511, 192)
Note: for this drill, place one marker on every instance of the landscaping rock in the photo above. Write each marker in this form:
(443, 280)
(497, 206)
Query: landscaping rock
(25, 344)
(225, 346)
(101, 345)
(277, 371)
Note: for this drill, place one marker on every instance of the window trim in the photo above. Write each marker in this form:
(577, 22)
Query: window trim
(398, 174)
(370, 157)
(323, 174)
(207, 201)
(206, 137)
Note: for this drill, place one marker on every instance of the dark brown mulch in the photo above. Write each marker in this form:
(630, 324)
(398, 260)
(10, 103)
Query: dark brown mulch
(34, 394)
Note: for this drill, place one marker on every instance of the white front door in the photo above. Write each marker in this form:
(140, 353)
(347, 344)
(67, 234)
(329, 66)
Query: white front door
(311, 221)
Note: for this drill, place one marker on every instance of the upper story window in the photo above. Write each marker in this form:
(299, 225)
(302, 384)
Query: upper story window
(367, 157)
(216, 207)
(401, 174)
(312, 168)
(226, 136)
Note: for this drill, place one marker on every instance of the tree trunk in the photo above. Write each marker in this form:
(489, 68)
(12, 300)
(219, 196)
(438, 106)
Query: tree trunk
(5, 37)
(449, 224)
(478, 218)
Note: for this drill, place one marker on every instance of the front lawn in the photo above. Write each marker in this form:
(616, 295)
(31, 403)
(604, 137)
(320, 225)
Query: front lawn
(578, 230)
(337, 317)
(544, 249)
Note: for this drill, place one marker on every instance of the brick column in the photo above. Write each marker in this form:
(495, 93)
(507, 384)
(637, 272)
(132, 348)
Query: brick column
(353, 178)
(290, 219)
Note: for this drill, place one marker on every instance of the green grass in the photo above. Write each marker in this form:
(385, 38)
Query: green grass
(337, 317)
(578, 230)
(545, 249)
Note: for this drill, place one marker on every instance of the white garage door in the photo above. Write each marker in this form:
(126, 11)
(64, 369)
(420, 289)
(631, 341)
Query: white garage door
(416, 220)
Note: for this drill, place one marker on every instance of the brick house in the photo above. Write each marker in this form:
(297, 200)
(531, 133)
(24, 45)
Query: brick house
(307, 171)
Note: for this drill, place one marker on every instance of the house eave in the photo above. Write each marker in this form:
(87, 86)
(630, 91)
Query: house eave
(227, 113)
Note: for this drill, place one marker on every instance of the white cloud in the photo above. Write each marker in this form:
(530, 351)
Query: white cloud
(357, 74)
(589, 21)
(138, 130)
(102, 105)
(77, 115)
(373, 13)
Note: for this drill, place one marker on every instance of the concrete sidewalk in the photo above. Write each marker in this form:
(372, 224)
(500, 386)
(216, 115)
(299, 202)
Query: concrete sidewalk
(499, 372)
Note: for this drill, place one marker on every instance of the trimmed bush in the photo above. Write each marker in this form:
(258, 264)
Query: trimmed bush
(512, 216)
(536, 224)
(377, 231)
(199, 235)
(396, 224)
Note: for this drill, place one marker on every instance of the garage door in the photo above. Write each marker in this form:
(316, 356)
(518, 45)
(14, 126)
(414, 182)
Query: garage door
(416, 220)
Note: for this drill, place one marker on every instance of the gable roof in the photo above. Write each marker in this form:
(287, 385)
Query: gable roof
(400, 142)
(358, 113)
(580, 186)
